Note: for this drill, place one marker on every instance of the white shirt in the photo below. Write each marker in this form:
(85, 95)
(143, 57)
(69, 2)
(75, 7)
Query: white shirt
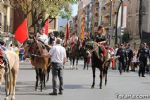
(58, 54)
(73, 39)
(44, 38)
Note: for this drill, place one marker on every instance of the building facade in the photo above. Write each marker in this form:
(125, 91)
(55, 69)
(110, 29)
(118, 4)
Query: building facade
(6, 17)
(88, 17)
(133, 21)
(95, 15)
(75, 24)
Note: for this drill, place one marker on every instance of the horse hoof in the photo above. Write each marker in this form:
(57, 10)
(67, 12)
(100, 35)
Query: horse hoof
(6, 98)
(100, 88)
(92, 87)
(13, 98)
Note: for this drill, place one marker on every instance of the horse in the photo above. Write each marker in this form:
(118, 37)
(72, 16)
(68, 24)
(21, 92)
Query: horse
(86, 56)
(99, 61)
(74, 54)
(9, 72)
(36, 50)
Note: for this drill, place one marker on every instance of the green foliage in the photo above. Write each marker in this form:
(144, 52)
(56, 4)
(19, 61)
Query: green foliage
(51, 7)
(43, 9)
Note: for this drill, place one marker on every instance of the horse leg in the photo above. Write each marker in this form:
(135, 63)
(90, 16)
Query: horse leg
(93, 70)
(84, 63)
(101, 78)
(41, 79)
(87, 66)
(14, 74)
(44, 75)
(106, 77)
(48, 71)
(73, 60)
(77, 62)
(7, 86)
(37, 79)
(71, 63)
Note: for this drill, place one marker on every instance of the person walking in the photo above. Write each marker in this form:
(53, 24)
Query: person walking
(58, 59)
(143, 54)
(129, 53)
(122, 58)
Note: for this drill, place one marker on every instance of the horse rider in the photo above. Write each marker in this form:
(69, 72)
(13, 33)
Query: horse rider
(73, 40)
(58, 59)
(129, 53)
(101, 40)
(121, 52)
(51, 38)
(44, 38)
(143, 54)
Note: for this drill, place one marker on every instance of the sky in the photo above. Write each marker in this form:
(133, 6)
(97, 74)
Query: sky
(74, 9)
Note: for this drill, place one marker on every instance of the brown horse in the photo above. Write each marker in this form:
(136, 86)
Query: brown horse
(36, 50)
(74, 54)
(9, 72)
(99, 61)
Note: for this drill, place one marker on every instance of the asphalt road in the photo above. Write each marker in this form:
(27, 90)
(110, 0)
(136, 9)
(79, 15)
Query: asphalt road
(77, 85)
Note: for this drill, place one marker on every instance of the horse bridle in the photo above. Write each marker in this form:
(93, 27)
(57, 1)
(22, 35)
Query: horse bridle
(31, 47)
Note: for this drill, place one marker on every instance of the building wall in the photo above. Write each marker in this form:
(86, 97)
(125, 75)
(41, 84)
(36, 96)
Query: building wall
(146, 16)
(75, 24)
(133, 21)
(6, 17)
(88, 17)
(95, 15)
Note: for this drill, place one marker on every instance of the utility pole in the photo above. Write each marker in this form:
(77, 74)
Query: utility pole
(110, 23)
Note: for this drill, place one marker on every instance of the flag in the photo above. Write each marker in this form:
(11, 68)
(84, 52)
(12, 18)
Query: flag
(21, 33)
(67, 32)
(46, 26)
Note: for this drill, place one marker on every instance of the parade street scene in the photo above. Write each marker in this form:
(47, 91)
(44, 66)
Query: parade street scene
(74, 50)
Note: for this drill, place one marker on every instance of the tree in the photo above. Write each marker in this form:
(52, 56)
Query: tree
(43, 9)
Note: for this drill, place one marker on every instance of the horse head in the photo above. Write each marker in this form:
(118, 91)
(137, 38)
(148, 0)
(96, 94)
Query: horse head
(27, 47)
(34, 47)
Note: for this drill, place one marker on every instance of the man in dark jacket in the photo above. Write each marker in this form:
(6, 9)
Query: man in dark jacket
(143, 54)
(129, 53)
(121, 52)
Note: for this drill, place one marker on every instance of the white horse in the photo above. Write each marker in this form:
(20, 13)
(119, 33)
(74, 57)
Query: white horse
(10, 81)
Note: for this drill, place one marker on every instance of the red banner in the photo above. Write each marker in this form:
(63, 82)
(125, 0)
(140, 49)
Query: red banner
(46, 26)
(21, 33)
(67, 32)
